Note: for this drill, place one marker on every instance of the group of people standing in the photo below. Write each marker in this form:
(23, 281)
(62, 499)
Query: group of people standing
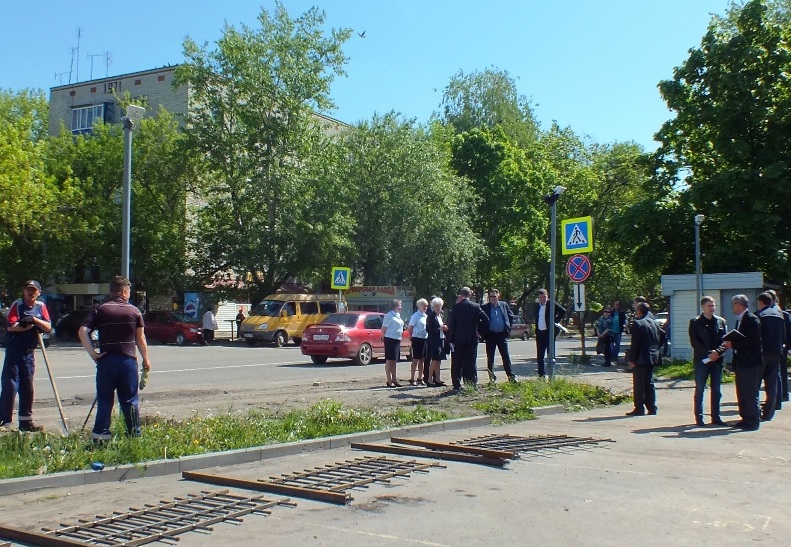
(468, 324)
(760, 342)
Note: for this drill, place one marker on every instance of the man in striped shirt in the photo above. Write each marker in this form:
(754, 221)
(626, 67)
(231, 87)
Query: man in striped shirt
(121, 335)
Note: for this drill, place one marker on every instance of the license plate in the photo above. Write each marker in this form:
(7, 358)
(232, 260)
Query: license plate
(248, 335)
(321, 336)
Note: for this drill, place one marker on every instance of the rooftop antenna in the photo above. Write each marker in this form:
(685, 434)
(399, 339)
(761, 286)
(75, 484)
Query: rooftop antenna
(59, 76)
(107, 58)
(75, 58)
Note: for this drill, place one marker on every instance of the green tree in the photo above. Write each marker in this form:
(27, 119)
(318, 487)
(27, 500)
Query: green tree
(489, 99)
(28, 197)
(725, 154)
(410, 217)
(252, 117)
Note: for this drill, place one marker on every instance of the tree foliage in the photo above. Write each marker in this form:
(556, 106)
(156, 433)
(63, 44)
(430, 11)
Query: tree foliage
(726, 152)
(27, 196)
(410, 212)
(252, 118)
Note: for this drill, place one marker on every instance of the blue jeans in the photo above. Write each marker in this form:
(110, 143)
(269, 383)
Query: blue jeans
(116, 372)
(18, 370)
(702, 373)
(616, 345)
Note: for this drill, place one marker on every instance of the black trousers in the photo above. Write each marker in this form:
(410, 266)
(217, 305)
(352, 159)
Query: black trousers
(748, 382)
(770, 377)
(783, 386)
(462, 364)
(542, 348)
(498, 341)
(643, 387)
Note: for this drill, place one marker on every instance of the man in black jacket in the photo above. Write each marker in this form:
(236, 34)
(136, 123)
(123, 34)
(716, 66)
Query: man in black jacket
(772, 341)
(705, 336)
(466, 323)
(747, 363)
(500, 320)
(643, 356)
(543, 323)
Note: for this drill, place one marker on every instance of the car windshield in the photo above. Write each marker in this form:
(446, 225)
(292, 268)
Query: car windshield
(180, 317)
(267, 307)
(342, 319)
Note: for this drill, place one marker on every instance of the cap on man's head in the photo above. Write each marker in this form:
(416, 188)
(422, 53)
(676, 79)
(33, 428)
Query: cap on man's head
(466, 292)
(32, 283)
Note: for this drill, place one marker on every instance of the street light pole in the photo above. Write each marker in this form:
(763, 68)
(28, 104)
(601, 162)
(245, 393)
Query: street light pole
(551, 200)
(133, 114)
(698, 277)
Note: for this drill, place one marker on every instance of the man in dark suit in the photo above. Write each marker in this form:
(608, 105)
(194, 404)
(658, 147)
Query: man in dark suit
(705, 336)
(543, 323)
(643, 356)
(500, 320)
(772, 348)
(466, 321)
(747, 363)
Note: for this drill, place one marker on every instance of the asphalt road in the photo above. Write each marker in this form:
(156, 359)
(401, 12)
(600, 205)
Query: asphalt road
(182, 376)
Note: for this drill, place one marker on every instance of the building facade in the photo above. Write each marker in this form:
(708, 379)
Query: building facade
(78, 106)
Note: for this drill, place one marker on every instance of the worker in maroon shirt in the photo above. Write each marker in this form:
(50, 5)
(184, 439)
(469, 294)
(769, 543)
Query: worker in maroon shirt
(120, 326)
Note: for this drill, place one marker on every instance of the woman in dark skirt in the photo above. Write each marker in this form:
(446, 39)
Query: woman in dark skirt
(435, 344)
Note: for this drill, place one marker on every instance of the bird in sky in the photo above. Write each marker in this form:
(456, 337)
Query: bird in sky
(361, 34)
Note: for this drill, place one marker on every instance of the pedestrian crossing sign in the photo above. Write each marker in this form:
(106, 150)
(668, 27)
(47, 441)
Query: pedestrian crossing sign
(341, 278)
(577, 235)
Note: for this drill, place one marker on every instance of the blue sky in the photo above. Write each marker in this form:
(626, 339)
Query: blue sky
(590, 65)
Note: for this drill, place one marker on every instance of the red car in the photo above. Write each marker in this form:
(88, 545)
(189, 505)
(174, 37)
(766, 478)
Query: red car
(355, 335)
(166, 326)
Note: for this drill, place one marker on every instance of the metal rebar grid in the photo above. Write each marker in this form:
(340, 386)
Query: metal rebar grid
(533, 443)
(329, 483)
(164, 521)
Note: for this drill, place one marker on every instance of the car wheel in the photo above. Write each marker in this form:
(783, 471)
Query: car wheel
(46, 343)
(364, 355)
(524, 336)
(297, 340)
(318, 359)
(281, 338)
(250, 341)
(180, 339)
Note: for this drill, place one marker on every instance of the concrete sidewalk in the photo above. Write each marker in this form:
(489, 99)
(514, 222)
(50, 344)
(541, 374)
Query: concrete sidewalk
(662, 482)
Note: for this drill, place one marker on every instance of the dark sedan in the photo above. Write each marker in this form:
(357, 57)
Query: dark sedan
(349, 335)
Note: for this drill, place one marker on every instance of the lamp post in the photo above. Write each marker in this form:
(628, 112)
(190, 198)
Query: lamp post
(551, 200)
(133, 114)
(698, 277)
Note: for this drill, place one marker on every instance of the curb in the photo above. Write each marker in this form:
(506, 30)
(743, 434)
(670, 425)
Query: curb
(158, 468)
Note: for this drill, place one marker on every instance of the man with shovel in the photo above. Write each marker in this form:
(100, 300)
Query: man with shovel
(26, 318)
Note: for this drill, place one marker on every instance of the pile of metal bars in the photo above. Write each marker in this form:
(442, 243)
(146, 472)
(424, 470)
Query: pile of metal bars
(329, 483)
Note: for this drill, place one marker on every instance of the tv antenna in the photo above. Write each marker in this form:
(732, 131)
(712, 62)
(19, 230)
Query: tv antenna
(59, 76)
(75, 58)
(108, 58)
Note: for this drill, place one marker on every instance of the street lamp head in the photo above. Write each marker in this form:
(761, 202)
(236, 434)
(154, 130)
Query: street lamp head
(699, 219)
(550, 199)
(135, 113)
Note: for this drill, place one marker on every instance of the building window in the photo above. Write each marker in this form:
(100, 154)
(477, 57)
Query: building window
(82, 119)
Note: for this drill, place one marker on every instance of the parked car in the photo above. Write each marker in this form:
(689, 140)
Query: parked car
(661, 318)
(519, 329)
(353, 335)
(69, 324)
(167, 326)
(46, 337)
(281, 316)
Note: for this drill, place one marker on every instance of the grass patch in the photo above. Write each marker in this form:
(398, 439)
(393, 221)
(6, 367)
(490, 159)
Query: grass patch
(509, 402)
(685, 370)
(39, 453)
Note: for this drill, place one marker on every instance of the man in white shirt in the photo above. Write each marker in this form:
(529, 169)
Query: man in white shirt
(209, 325)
